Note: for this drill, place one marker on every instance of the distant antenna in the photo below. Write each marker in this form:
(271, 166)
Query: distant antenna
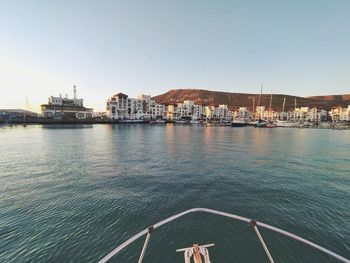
(75, 92)
(27, 107)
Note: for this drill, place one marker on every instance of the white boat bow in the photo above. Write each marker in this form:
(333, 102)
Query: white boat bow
(148, 231)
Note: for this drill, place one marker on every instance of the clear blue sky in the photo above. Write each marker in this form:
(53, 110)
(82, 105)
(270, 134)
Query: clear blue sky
(294, 47)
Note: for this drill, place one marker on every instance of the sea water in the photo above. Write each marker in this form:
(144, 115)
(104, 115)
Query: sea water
(74, 193)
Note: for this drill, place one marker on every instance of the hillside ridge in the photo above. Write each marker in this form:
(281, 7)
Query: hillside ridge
(235, 99)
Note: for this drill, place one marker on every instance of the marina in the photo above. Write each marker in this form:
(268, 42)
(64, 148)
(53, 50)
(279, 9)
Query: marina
(122, 109)
(175, 131)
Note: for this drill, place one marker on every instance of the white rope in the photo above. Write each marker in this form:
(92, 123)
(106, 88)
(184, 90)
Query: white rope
(240, 218)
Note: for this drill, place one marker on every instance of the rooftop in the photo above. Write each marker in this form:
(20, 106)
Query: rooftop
(121, 95)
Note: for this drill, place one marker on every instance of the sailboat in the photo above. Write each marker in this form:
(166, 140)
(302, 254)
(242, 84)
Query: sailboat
(285, 123)
(270, 123)
(259, 123)
(26, 113)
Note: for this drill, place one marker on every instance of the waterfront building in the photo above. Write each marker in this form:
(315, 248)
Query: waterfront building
(286, 116)
(242, 113)
(189, 110)
(171, 112)
(117, 106)
(135, 109)
(99, 115)
(66, 108)
(316, 115)
(121, 107)
(157, 110)
(300, 114)
(290, 115)
(183, 110)
(270, 115)
(222, 112)
(260, 112)
(303, 114)
(197, 112)
(209, 112)
(149, 109)
(340, 114)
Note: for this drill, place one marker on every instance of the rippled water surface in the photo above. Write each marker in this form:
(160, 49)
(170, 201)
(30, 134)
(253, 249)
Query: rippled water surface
(73, 193)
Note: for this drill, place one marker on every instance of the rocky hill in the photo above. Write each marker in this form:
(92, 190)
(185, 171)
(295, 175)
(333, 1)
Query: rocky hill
(345, 98)
(235, 100)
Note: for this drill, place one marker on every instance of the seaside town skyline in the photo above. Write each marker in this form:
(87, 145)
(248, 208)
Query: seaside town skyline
(101, 107)
(147, 109)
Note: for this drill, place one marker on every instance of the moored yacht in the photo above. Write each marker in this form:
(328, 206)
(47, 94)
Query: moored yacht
(270, 124)
(240, 123)
(280, 123)
(260, 124)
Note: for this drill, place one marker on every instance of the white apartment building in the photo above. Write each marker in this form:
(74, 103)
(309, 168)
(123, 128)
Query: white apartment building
(307, 114)
(223, 113)
(260, 112)
(197, 112)
(135, 110)
(316, 115)
(209, 112)
(270, 115)
(189, 110)
(119, 106)
(171, 112)
(186, 110)
(242, 113)
(340, 114)
(300, 114)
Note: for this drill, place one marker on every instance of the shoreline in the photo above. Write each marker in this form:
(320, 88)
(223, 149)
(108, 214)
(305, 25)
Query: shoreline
(20, 122)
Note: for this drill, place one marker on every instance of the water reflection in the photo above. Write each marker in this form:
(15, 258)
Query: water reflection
(67, 126)
(169, 132)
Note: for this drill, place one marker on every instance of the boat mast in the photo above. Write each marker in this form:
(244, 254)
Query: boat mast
(270, 106)
(26, 111)
(253, 110)
(260, 99)
(283, 106)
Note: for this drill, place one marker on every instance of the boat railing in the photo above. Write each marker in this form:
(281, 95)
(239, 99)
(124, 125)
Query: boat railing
(255, 224)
